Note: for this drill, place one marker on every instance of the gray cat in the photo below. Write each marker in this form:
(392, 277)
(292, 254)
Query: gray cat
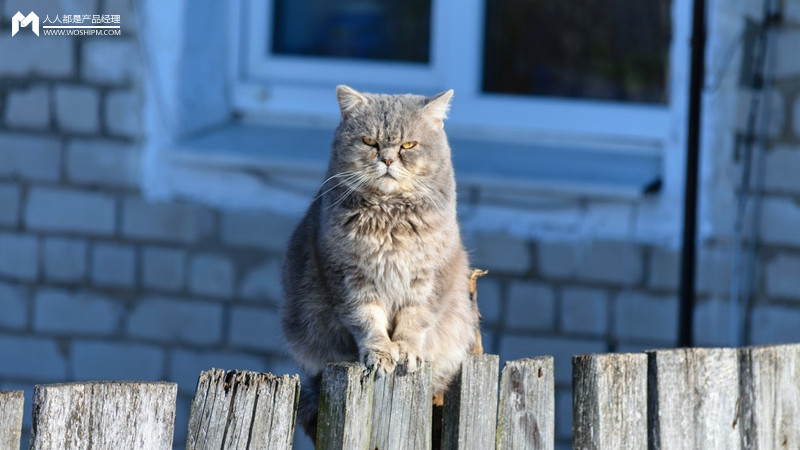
(376, 271)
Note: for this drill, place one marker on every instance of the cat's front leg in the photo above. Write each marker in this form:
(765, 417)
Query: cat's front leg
(370, 326)
(411, 327)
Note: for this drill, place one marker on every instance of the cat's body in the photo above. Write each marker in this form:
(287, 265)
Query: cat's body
(376, 270)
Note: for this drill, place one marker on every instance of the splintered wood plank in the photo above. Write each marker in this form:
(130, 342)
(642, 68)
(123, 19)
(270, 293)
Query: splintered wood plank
(526, 414)
(243, 411)
(402, 410)
(470, 411)
(11, 403)
(609, 406)
(345, 407)
(124, 415)
(770, 410)
(693, 399)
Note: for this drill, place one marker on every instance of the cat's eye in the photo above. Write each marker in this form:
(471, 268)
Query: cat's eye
(408, 145)
(369, 141)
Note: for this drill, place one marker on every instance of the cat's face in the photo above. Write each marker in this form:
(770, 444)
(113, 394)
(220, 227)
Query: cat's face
(391, 143)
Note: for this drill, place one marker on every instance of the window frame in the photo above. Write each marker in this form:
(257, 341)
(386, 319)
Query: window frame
(276, 85)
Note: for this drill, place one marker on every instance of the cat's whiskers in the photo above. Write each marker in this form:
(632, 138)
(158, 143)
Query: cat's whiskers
(351, 185)
(348, 176)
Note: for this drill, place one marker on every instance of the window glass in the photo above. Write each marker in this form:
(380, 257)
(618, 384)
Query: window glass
(614, 50)
(361, 29)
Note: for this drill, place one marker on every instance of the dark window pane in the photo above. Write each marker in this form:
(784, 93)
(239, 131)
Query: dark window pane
(369, 29)
(596, 49)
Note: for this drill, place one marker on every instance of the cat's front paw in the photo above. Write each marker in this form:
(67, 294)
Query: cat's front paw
(409, 357)
(382, 359)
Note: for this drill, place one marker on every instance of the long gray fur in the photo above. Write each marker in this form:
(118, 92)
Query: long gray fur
(376, 271)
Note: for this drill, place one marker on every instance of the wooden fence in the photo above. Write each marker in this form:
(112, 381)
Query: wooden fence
(665, 399)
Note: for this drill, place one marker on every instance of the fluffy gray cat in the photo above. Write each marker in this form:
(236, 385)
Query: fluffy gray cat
(376, 271)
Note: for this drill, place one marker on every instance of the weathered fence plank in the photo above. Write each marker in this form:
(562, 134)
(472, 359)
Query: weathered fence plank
(118, 415)
(401, 411)
(345, 407)
(243, 411)
(525, 416)
(770, 409)
(609, 401)
(11, 403)
(470, 414)
(693, 399)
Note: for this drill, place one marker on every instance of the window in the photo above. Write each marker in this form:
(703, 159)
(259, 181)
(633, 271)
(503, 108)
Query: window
(586, 100)
(595, 68)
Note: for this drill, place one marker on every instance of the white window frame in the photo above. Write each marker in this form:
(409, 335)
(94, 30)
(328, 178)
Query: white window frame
(276, 85)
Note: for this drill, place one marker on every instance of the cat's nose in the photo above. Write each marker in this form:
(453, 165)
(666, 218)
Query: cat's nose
(387, 160)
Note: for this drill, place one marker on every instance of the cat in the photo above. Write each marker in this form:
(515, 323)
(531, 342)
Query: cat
(376, 271)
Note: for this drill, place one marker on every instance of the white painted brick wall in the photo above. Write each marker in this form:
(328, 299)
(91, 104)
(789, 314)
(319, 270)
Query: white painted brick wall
(780, 221)
(30, 157)
(113, 265)
(490, 302)
(28, 108)
(166, 222)
(253, 328)
(264, 230)
(77, 108)
(263, 282)
(123, 114)
(163, 268)
(787, 42)
(783, 166)
(173, 320)
(35, 56)
(514, 346)
(38, 359)
(531, 306)
(70, 210)
(775, 324)
(80, 313)
(584, 311)
(103, 163)
(9, 204)
(500, 253)
(18, 256)
(796, 115)
(65, 259)
(110, 61)
(783, 277)
(14, 305)
(212, 275)
(101, 360)
(641, 316)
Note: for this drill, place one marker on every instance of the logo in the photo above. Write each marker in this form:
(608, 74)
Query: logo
(18, 20)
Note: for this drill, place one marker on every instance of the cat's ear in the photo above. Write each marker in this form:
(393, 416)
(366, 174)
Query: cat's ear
(349, 98)
(438, 106)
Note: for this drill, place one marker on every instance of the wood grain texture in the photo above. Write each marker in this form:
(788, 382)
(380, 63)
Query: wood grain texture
(526, 413)
(470, 412)
(345, 407)
(103, 415)
(243, 411)
(770, 392)
(401, 411)
(609, 401)
(11, 404)
(693, 399)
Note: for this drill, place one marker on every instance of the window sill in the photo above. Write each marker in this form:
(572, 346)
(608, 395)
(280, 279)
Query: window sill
(554, 190)
(571, 170)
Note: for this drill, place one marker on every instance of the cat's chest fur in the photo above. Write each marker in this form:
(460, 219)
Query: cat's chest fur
(393, 247)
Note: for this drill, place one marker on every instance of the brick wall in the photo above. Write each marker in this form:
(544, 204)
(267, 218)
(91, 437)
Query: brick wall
(97, 282)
